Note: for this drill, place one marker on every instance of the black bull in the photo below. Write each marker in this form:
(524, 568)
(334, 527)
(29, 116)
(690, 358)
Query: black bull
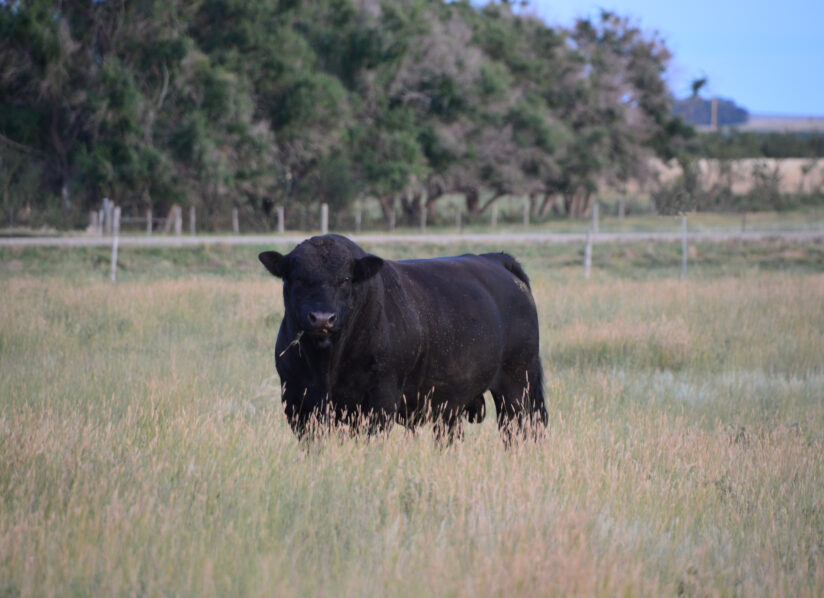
(370, 341)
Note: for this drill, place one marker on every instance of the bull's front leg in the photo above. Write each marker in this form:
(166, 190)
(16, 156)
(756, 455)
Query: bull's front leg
(305, 408)
(382, 406)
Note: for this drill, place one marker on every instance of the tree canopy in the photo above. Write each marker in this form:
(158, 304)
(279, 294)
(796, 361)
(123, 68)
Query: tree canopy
(260, 103)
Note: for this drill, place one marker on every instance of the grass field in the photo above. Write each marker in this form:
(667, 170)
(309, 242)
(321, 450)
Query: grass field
(144, 451)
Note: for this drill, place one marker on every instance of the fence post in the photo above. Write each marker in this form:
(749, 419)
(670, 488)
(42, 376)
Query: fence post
(588, 255)
(149, 222)
(281, 220)
(107, 215)
(93, 221)
(494, 215)
(115, 240)
(357, 218)
(683, 246)
(178, 216)
(100, 216)
(192, 220)
(423, 218)
(392, 220)
(458, 223)
(235, 223)
(621, 201)
(324, 218)
(526, 212)
(595, 217)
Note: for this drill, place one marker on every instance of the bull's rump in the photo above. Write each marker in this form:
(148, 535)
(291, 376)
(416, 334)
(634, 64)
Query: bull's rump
(475, 315)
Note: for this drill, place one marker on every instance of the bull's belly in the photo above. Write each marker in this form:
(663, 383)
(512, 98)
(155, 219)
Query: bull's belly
(447, 390)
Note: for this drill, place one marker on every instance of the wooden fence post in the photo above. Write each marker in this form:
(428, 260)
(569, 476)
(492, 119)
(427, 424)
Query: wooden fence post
(192, 220)
(588, 255)
(149, 222)
(324, 218)
(100, 216)
(423, 218)
(235, 223)
(93, 222)
(392, 220)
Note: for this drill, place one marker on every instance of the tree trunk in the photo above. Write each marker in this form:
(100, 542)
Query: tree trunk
(430, 203)
(550, 203)
(568, 201)
(472, 201)
(411, 205)
(387, 205)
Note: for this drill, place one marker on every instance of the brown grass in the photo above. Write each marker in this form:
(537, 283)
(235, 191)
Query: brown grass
(145, 452)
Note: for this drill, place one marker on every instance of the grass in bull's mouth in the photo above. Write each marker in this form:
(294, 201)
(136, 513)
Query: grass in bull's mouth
(144, 450)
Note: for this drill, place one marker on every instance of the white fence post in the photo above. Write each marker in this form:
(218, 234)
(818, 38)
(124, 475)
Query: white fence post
(107, 215)
(281, 220)
(149, 222)
(235, 223)
(115, 240)
(178, 218)
(683, 246)
(100, 216)
(324, 218)
(595, 217)
(192, 220)
(588, 255)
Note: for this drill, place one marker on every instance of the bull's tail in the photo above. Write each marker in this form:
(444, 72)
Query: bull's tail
(535, 391)
(510, 263)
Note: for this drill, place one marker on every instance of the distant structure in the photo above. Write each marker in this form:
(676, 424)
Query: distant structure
(698, 111)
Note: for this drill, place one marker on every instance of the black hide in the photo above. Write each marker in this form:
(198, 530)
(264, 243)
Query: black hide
(409, 341)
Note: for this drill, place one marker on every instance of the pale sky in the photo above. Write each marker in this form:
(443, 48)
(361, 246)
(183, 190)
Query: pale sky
(766, 56)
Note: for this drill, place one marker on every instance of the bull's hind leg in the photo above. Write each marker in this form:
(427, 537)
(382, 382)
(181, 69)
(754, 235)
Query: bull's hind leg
(476, 410)
(519, 402)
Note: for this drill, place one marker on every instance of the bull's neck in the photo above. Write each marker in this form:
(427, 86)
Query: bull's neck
(330, 363)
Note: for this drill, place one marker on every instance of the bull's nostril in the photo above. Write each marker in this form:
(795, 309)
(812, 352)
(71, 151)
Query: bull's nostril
(321, 319)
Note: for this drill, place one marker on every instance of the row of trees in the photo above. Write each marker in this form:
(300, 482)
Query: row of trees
(259, 103)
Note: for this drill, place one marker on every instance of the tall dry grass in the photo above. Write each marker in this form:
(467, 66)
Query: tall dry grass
(144, 452)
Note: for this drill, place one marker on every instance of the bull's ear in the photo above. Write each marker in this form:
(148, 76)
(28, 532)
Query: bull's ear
(274, 262)
(366, 267)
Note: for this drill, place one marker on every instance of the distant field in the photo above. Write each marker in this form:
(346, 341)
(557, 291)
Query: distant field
(777, 123)
(145, 451)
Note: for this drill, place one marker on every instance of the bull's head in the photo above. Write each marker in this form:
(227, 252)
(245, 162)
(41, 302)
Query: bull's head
(322, 283)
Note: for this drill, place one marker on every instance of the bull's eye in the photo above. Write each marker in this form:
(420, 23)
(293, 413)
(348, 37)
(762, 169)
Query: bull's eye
(344, 282)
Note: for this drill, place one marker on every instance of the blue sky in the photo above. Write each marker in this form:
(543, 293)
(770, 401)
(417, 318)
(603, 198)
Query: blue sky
(766, 56)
